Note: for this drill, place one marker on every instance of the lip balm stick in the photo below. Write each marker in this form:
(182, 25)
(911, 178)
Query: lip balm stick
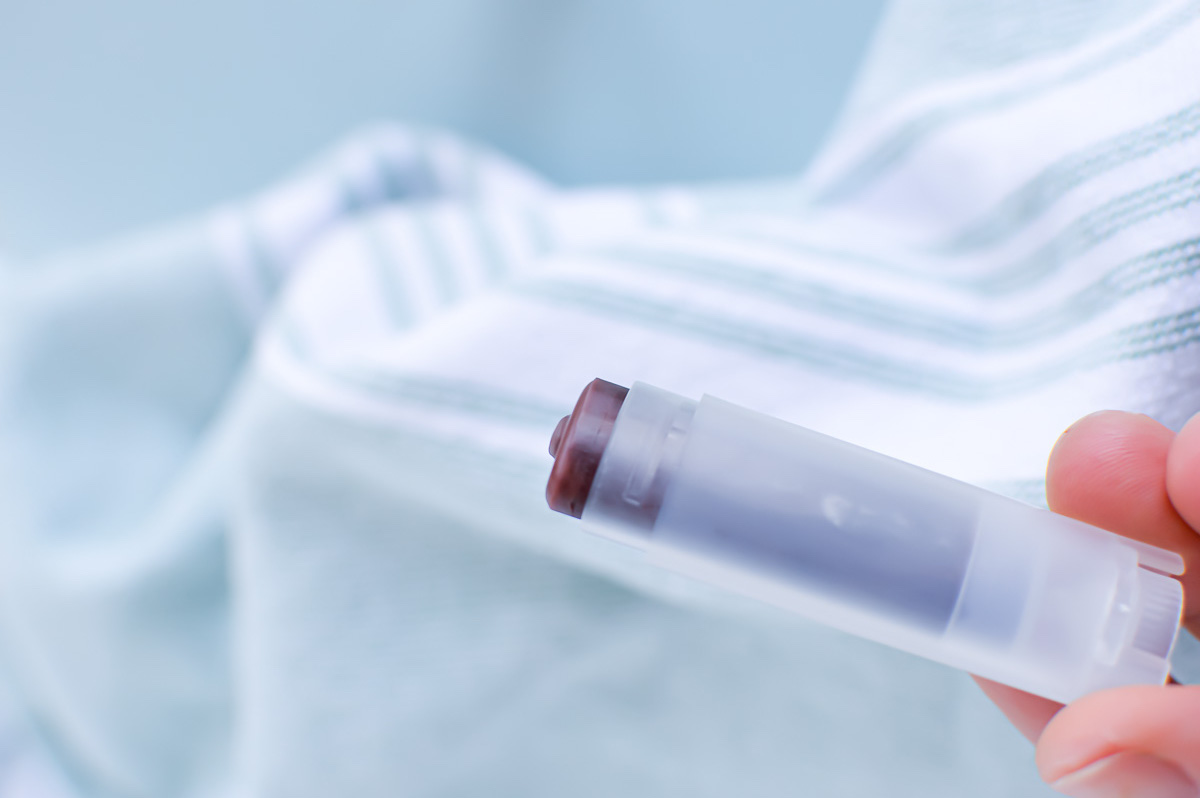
(867, 543)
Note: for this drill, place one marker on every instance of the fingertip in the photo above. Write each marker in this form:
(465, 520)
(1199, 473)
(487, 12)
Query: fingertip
(1081, 733)
(1107, 469)
(1113, 470)
(1154, 720)
(1183, 472)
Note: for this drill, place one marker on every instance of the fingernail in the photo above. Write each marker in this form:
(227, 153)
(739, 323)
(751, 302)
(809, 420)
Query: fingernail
(1125, 775)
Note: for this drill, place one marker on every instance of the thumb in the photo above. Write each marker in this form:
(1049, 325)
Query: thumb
(1132, 741)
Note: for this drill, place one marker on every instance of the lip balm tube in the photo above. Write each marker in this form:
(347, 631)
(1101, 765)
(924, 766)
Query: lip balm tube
(867, 543)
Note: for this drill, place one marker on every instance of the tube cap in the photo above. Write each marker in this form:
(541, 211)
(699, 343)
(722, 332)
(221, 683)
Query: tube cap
(578, 443)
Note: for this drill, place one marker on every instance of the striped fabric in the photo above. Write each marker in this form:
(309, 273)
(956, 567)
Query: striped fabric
(983, 262)
(273, 520)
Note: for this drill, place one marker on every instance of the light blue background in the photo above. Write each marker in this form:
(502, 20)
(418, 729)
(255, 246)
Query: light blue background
(123, 114)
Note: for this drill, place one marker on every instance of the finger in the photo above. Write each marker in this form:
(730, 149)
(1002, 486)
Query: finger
(1110, 470)
(1130, 741)
(1183, 473)
(1027, 712)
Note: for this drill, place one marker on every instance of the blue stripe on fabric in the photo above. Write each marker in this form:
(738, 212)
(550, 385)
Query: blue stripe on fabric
(1084, 233)
(381, 262)
(437, 257)
(1095, 227)
(902, 142)
(1125, 280)
(487, 243)
(1029, 202)
(842, 359)
(458, 396)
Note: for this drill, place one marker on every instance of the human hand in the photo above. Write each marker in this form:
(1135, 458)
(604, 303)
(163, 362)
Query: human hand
(1131, 475)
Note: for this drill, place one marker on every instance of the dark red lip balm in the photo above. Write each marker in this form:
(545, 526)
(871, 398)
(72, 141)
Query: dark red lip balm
(578, 443)
(867, 543)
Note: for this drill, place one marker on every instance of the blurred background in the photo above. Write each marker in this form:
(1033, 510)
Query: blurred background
(121, 115)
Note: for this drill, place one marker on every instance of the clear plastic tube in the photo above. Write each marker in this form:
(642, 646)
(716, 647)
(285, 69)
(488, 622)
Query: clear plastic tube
(867, 543)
